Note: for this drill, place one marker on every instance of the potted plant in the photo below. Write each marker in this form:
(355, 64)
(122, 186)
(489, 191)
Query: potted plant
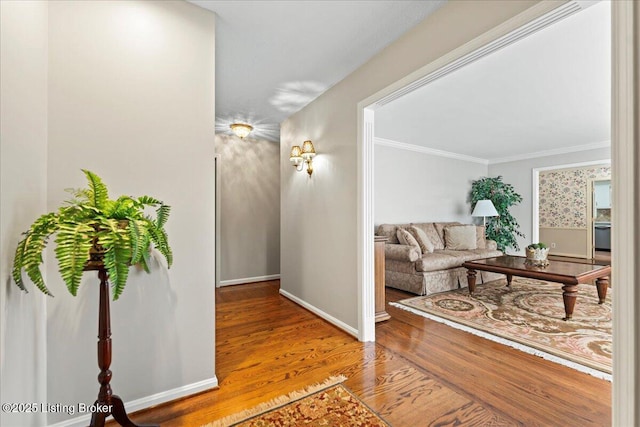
(504, 228)
(92, 232)
(537, 254)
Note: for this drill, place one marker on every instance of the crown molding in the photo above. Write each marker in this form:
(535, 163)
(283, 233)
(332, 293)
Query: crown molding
(554, 152)
(497, 160)
(426, 150)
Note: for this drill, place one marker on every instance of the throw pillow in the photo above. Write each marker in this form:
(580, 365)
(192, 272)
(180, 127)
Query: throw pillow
(406, 238)
(481, 242)
(423, 240)
(460, 237)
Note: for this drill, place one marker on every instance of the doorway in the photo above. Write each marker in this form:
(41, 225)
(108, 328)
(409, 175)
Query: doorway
(600, 214)
(624, 130)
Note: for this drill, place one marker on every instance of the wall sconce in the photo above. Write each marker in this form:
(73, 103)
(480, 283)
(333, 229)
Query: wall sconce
(241, 129)
(303, 155)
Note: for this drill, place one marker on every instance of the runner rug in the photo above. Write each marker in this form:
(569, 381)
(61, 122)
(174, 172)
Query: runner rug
(326, 404)
(528, 316)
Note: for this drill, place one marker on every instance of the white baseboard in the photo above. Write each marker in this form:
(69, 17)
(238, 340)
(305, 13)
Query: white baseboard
(249, 280)
(315, 310)
(148, 401)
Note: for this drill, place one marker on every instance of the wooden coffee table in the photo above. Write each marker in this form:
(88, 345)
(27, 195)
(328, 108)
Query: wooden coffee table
(570, 274)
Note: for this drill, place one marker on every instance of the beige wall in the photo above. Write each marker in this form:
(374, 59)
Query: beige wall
(23, 197)
(573, 242)
(420, 187)
(319, 215)
(130, 96)
(249, 209)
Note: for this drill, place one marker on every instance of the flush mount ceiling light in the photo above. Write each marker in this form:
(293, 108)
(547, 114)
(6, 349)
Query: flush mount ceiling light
(241, 129)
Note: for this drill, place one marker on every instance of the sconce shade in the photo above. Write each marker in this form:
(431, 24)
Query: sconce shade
(296, 155)
(241, 129)
(308, 151)
(484, 208)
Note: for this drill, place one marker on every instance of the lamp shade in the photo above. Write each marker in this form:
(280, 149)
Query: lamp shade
(308, 151)
(484, 208)
(296, 155)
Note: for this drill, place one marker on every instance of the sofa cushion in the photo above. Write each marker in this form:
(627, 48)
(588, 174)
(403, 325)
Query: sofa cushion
(406, 238)
(480, 238)
(423, 240)
(437, 261)
(440, 226)
(484, 253)
(390, 231)
(431, 232)
(460, 237)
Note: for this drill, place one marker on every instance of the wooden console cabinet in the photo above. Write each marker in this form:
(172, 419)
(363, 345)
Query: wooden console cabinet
(381, 314)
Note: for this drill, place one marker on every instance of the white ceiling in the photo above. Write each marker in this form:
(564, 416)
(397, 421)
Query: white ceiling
(274, 57)
(548, 91)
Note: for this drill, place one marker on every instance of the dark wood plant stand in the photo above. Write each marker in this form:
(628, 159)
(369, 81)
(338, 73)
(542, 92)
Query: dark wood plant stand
(107, 403)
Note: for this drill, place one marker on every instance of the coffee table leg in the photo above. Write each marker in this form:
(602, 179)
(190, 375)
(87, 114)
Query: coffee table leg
(602, 284)
(569, 294)
(509, 278)
(471, 279)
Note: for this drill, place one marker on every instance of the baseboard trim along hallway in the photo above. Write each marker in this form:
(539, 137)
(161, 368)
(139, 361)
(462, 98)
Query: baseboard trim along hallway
(315, 310)
(249, 280)
(148, 401)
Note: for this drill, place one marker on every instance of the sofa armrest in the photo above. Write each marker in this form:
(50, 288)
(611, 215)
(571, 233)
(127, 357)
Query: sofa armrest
(492, 245)
(401, 252)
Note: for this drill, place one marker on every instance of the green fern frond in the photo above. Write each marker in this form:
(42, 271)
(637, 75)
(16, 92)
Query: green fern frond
(117, 258)
(29, 251)
(124, 207)
(98, 194)
(144, 262)
(160, 240)
(148, 201)
(16, 273)
(72, 251)
(136, 229)
(162, 213)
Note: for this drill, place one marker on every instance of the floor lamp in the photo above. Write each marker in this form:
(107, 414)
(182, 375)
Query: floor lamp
(484, 208)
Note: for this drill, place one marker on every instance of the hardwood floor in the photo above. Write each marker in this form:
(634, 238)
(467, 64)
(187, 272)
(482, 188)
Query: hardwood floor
(418, 373)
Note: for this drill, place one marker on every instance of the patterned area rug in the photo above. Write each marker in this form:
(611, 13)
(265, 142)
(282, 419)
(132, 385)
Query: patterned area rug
(328, 404)
(528, 316)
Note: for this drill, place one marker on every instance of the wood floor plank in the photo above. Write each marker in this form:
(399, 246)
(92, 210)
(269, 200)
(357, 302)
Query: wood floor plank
(418, 373)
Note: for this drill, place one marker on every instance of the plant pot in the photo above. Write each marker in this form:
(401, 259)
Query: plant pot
(537, 257)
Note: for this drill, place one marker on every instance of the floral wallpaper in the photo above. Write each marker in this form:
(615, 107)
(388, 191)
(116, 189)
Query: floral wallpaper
(563, 196)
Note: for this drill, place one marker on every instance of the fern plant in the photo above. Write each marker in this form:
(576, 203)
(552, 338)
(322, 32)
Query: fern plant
(93, 229)
(504, 228)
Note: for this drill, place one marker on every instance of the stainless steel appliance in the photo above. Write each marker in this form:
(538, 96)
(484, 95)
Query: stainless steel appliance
(603, 236)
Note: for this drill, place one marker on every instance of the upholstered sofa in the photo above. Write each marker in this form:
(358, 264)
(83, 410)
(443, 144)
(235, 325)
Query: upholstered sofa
(431, 262)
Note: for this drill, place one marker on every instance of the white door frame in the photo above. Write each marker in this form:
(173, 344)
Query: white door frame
(216, 162)
(625, 236)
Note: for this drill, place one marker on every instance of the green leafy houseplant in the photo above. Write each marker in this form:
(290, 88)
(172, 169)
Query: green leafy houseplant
(537, 246)
(93, 228)
(504, 228)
